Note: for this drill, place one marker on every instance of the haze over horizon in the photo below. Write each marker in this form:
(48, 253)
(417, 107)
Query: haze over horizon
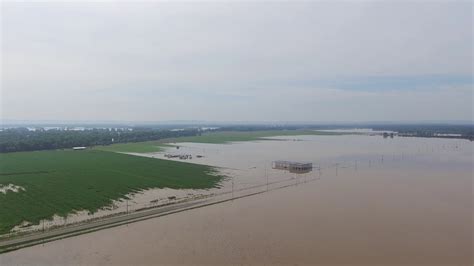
(306, 61)
(9, 122)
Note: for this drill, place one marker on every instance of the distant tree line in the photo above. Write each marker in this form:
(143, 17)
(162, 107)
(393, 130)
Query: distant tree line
(465, 131)
(430, 130)
(22, 139)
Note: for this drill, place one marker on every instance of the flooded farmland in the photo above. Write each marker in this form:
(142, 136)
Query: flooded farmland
(370, 201)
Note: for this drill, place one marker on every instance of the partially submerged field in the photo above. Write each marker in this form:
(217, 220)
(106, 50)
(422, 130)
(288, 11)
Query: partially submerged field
(219, 137)
(60, 182)
(134, 147)
(37, 185)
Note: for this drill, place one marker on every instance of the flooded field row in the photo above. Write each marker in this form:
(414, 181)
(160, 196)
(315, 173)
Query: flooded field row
(248, 166)
(370, 201)
(250, 163)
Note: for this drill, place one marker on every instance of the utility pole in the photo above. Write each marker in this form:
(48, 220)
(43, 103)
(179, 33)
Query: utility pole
(127, 205)
(266, 175)
(232, 187)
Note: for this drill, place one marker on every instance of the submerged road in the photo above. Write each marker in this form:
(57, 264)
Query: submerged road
(103, 223)
(72, 230)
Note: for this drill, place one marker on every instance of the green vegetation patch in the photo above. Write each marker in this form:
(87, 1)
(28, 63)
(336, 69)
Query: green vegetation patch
(60, 182)
(221, 137)
(135, 147)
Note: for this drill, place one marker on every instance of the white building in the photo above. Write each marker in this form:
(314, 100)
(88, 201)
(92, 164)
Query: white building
(293, 166)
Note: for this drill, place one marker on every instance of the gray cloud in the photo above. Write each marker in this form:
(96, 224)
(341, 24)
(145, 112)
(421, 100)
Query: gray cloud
(316, 61)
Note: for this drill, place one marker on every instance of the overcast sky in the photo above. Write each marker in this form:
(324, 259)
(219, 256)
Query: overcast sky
(239, 61)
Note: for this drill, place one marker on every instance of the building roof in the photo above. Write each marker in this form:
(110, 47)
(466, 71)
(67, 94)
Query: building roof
(293, 163)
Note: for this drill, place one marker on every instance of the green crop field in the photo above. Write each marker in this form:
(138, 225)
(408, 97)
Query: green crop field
(60, 182)
(135, 147)
(219, 137)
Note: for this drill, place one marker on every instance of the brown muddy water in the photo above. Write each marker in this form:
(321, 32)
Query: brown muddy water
(375, 201)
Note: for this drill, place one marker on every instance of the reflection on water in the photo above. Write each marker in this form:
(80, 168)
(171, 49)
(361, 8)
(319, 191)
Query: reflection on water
(300, 171)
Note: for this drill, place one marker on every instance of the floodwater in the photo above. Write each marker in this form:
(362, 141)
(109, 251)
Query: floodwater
(371, 200)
